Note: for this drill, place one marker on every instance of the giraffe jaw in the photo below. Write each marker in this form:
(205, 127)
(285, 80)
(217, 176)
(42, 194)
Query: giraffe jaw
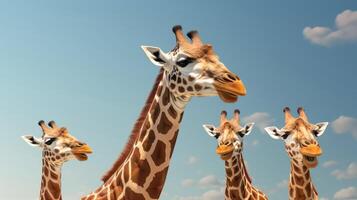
(226, 156)
(81, 152)
(225, 152)
(81, 156)
(310, 154)
(310, 162)
(230, 91)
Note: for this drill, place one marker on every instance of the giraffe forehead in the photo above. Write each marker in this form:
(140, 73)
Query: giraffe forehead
(300, 128)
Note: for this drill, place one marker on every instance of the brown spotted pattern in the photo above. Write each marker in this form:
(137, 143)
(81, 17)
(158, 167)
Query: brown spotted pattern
(299, 129)
(143, 173)
(238, 183)
(51, 178)
(58, 147)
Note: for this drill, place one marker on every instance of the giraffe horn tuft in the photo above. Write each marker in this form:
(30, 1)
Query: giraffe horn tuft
(223, 117)
(236, 117)
(195, 37)
(288, 116)
(302, 113)
(180, 38)
(52, 124)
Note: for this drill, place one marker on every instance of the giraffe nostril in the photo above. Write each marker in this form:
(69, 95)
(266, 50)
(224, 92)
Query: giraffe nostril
(226, 143)
(80, 144)
(232, 77)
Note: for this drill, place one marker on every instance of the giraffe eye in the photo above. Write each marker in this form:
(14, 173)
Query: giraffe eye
(285, 135)
(184, 62)
(49, 141)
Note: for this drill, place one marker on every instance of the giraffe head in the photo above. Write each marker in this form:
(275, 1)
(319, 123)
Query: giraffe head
(58, 145)
(229, 135)
(300, 137)
(194, 69)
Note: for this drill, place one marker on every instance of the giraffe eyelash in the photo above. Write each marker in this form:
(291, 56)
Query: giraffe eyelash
(285, 135)
(49, 141)
(184, 62)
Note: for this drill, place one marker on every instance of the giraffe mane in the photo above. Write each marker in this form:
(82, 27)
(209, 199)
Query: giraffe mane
(135, 132)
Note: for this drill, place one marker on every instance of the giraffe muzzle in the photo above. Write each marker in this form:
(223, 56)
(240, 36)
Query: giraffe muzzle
(310, 154)
(81, 152)
(225, 151)
(229, 90)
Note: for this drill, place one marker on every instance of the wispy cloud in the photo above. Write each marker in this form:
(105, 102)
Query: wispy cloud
(329, 163)
(188, 182)
(255, 142)
(349, 173)
(344, 124)
(192, 160)
(279, 186)
(209, 182)
(213, 186)
(349, 193)
(261, 120)
(345, 31)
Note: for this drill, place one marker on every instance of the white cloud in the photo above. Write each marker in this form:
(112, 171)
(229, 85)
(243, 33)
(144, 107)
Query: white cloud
(192, 160)
(344, 124)
(349, 173)
(209, 181)
(255, 142)
(187, 183)
(213, 195)
(329, 163)
(349, 193)
(346, 30)
(279, 186)
(261, 119)
(214, 186)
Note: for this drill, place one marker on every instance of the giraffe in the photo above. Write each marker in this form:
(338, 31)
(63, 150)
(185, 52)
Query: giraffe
(190, 69)
(229, 136)
(58, 146)
(300, 138)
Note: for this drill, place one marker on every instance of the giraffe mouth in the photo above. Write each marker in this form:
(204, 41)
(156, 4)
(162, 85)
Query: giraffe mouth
(81, 152)
(225, 152)
(81, 156)
(229, 91)
(310, 154)
(226, 156)
(310, 162)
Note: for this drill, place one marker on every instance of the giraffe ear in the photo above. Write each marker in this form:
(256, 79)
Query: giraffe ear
(246, 129)
(155, 55)
(32, 141)
(320, 128)
(274, 132)
(211, 130)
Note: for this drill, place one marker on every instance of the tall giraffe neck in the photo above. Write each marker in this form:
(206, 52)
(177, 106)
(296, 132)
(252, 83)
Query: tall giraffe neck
(301, 186)
(142, 174)
(51, 180)
(238, 182)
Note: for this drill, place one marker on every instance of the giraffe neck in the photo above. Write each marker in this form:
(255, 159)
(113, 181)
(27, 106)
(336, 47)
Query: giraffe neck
(142, 174)
(238, 182)
(301, 186)
(50, 181)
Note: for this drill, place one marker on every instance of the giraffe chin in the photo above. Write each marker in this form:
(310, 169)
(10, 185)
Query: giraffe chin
(81, 156)
(226, 156)
(225, 152)
(310, 162)
(227, 97)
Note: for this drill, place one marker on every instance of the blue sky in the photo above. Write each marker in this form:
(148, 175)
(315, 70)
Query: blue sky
(80, 63)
